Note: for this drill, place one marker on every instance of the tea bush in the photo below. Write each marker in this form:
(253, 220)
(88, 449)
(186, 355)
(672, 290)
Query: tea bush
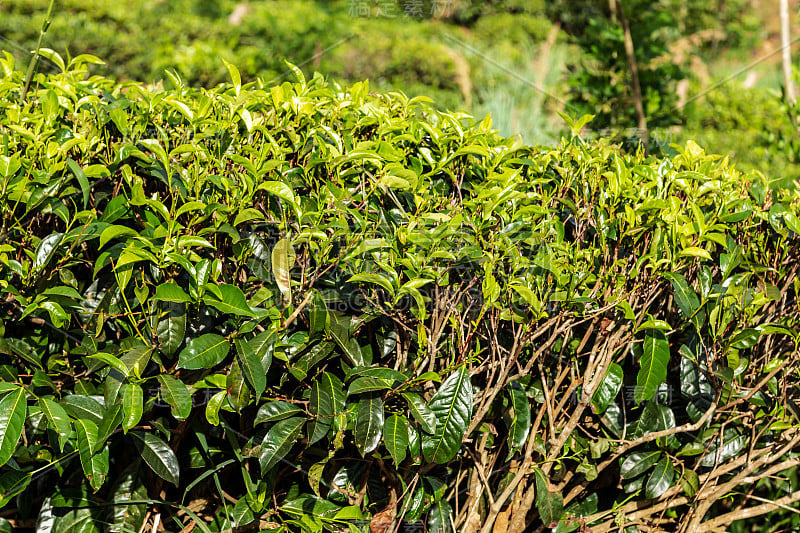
(310, 307)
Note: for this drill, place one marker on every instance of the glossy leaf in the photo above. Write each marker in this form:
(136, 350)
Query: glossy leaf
(608, 389)
(369, 423)
(171, 329)
(251, 367)
(13, 409)
(205, 351)
(158, 456)
(518, 419)
(229, 299)
(661, 478)
(423, 414)
(440, 518)
(176, 394)
(327, 400)
(276, 410)
(395, 437)
(653, 365)
(638, 462)
(452, 406)
(132, 405)
(278, 441)
(58, 419)
(93, 460)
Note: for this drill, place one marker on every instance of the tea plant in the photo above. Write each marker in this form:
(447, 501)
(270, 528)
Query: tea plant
(310, 307)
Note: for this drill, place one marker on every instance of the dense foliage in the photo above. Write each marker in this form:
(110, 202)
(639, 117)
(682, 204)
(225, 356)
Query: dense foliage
(310, 307)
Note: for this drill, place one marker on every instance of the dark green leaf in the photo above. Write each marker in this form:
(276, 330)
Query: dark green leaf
(723, 448)
(421, 412)
(262, 344)
(251, 366)
(518, 419)
(158, 456)
(452, 406)
(276, 410)
(171, 329)
(175, 393)
(46, 249)
(278, 441)
(685, 297)
(203, 352)
(369, 423)
(327, 400)
(440, 518)
(661, 478)
(549, 504)
(57, 418)
(367, 384)
(608, 389)
(395, 437)
(638, 462)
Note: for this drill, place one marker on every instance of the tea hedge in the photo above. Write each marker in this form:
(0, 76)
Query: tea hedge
(310, 307)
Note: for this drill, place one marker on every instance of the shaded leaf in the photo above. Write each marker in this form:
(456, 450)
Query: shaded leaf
(327, 400)
(549, 504)
(251, 366)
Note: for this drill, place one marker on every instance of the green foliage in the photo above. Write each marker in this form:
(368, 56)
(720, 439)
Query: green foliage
(330, 305)
(750, 126)
(603, 87)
